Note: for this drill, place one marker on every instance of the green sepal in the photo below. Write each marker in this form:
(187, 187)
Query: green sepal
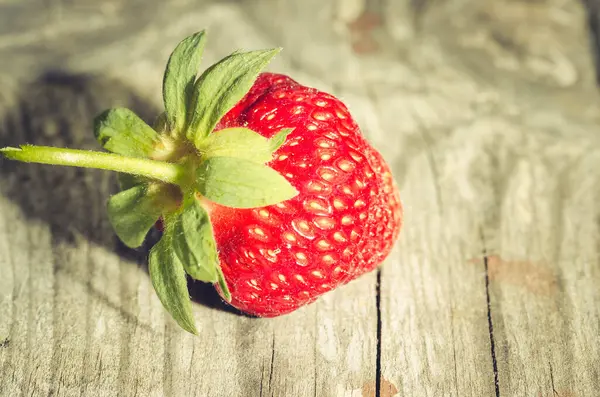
(194, 242)
(220, 87)
(133, 212)
(242, 143)
(240, 183)
(278, 139)
(179, 78)
(121, 131)
(169, 281)
(223, 284)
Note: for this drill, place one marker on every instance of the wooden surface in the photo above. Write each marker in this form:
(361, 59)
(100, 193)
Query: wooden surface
(489, 115)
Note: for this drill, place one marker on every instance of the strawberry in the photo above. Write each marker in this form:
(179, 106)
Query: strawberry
(262, 186)
(342, 223)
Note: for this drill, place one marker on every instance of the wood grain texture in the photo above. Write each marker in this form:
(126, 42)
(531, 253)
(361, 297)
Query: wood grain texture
(489, 119)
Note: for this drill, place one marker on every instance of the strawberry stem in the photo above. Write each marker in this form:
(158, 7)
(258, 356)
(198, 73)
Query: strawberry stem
(159, 170)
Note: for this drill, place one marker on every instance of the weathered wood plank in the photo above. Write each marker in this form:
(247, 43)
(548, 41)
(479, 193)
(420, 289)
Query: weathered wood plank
(487, 122)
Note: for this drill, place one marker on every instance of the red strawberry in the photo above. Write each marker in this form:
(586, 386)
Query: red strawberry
(265, 187)
(341, 225)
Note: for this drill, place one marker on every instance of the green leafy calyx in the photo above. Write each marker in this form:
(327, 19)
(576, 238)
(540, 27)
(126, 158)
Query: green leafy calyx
(168, 170)
(226, 166)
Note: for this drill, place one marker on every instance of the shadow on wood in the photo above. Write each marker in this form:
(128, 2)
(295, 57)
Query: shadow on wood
(57, 109)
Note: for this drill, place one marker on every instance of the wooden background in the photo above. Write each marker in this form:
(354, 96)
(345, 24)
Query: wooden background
(488, 112)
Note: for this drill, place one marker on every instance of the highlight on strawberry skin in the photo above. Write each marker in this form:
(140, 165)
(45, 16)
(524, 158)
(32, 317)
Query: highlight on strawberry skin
(260, 185)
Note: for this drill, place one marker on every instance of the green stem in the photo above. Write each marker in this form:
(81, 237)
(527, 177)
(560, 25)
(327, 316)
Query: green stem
(160, 170)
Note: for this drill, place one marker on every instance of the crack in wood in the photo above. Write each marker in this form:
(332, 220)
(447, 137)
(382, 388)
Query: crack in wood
(316, 330)
(191, 364)
(379, 324)
(262, 378)
(454, 352)
(491, 324)
(554, 392)
(271, 367)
